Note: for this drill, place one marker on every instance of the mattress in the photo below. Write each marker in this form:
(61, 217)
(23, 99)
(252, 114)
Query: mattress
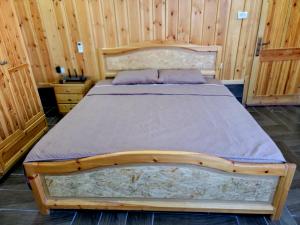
(204, 118)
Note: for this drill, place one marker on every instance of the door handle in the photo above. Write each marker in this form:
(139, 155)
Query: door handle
(259, 46)
(3, 62)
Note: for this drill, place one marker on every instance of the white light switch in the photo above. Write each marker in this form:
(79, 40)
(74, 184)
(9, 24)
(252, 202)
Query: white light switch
(80, 47)
(242, 15)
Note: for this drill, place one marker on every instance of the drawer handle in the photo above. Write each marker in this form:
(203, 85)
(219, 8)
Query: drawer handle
(69, 99)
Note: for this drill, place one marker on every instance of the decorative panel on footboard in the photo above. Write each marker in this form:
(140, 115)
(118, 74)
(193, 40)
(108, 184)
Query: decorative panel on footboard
(164, 182)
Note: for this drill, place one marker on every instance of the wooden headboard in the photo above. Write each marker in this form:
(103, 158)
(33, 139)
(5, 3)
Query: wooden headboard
(161, 55)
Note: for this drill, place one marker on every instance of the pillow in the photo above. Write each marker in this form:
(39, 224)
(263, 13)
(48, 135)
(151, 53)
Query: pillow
(181, 76)
(148, 76)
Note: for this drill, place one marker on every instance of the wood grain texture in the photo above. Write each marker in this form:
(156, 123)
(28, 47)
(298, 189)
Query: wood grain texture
(280, 54)
(21, 116)
(275, 78)
(35, 171)
(161, 55)
(103, 23)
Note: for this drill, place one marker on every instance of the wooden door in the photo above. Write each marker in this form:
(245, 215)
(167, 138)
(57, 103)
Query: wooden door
(275, 75)
(20, 107)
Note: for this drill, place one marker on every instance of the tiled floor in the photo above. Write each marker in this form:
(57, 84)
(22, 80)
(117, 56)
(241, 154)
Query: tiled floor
(283, 125)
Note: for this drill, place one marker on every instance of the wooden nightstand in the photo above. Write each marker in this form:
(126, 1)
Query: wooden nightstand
(68, 95)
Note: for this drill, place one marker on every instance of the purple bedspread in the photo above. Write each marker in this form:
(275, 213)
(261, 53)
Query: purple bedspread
(202, 118)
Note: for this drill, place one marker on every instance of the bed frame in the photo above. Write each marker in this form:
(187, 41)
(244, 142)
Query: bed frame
(161, 180)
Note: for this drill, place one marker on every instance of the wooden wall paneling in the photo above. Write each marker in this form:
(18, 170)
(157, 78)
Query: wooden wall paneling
(62, 27)
(171, 19)
(232, 40)
(122, 22)
(42, 46)
(209, 22)
(184, 20)
(159, 19)
(146, 15)
(23, 12)
(134, 21)
(73, 33)
(48, 18)
(222, 21)
(247, 40)
(197, 21)
(97, 23)
(109, 23)
(85, 31)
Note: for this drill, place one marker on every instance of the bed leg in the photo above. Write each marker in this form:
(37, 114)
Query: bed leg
(282, 191)
(44, 211)
(39, 194)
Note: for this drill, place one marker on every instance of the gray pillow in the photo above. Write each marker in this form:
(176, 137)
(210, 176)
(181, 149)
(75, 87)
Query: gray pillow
(148, 76)
(181, 76)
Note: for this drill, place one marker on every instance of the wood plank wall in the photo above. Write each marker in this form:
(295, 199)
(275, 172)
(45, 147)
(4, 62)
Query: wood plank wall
(52, 27)
(280, 76)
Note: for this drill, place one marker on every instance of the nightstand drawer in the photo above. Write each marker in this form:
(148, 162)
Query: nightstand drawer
(69, 90)
(65, 108)
(73, 88)
(68, 98)
(69, 94)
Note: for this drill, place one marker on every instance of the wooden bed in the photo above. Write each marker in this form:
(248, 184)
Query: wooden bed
(171, 180)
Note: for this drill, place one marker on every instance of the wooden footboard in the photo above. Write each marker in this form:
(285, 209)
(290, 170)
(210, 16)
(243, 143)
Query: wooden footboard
(161, 181)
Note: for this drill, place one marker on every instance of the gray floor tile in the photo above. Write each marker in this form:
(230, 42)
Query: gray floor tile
(86, 218)
(17, 200)
(34, 218)
(113, 218)
(140, 218)
(14, 182)
(293, 202)
(286, 219)
(251, 220)
(193, 219)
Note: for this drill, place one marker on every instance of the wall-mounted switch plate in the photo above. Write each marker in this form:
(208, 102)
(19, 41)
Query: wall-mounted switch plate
(80, 46)
(241, 15)
(60, 69)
